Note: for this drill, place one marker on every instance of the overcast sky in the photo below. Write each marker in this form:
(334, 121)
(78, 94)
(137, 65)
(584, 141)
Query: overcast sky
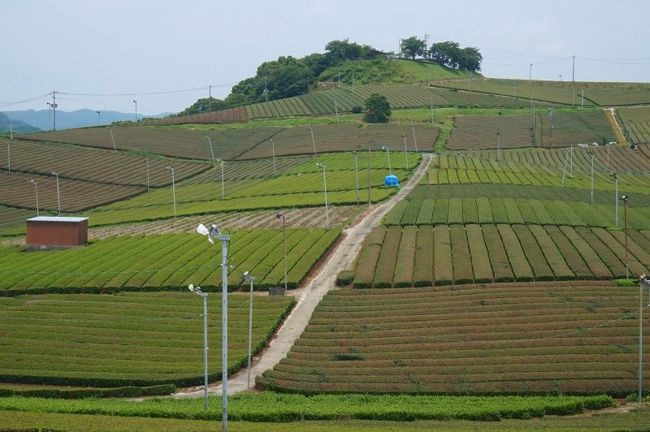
(147, 46)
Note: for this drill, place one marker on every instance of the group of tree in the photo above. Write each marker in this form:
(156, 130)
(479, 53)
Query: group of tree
(448, 53)
(287, 76)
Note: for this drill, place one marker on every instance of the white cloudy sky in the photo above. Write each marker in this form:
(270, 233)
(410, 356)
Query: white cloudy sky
(146, 46)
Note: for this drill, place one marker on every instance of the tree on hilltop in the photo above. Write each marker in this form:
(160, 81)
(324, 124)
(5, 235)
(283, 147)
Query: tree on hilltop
(413, 47)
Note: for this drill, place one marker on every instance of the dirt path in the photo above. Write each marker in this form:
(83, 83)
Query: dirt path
(315, 290)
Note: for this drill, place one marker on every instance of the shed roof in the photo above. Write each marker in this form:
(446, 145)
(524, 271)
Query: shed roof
(57, 219)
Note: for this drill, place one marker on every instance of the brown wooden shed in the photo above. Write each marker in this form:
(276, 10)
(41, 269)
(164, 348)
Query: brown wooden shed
(56, 232)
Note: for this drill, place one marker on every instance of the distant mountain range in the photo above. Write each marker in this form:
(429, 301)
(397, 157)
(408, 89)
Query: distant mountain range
(42, 119)
(17, 126)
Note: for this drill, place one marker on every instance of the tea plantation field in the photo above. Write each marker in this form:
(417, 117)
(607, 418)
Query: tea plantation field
(498, 339)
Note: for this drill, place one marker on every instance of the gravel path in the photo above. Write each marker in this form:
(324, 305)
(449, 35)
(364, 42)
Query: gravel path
(311, 295)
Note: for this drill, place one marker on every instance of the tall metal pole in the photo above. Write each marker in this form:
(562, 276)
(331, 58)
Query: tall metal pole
(284, 247)
(222, 178)
(327, 217)
(205, 350)
(173, 189)
(390, 170)
(336, 109)
(592, 177)
(146, 163)
(356, 174)
(135, 102)
(616, 195)
(211, 149)
(369, 155)
(406, 155)
(627, 267)
(415, 139)
(35, 183)
(112, 139)
(58, 195)
(498, 145)
(250, 328)
(99, 118)
(9, 156)
(530, 87)
(11, 129)
(641, 281)
(313, 141)
(273, 153)
(224, 330)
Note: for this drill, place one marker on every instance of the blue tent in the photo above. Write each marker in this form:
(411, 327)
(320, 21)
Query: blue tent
(391, 181)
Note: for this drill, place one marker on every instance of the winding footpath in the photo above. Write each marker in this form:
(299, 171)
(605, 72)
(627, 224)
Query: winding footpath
(312, 294)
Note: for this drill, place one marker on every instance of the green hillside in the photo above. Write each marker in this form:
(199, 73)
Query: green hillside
(391, 71)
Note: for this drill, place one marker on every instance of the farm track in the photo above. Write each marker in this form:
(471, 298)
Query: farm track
(311, 295)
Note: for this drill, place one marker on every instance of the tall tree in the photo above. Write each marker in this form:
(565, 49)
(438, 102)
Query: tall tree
(413, 47)
(378, 109)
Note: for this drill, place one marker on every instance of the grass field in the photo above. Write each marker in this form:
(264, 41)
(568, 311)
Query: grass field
(468, 340)
(125, 339)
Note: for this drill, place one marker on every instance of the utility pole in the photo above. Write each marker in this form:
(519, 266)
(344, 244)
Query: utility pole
(210, 100)
(11, 129)
(135, 102)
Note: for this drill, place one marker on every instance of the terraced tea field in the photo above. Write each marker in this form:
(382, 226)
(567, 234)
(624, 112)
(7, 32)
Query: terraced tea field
(636, 123)
(344, 138)
(548, 129)
(93, 165)
(75, 195)
(181, 142)
(552, 162)
(164, 262)
(125, 339)
(506, 339)
(516, 204)
(567, 93)
(404, 256)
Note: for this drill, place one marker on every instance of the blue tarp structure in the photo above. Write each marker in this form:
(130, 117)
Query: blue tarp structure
(391, 181)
